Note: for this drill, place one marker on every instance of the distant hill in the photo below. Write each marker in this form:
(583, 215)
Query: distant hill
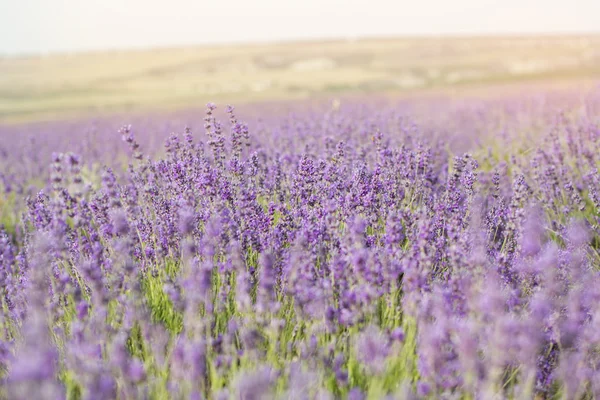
(61, 85)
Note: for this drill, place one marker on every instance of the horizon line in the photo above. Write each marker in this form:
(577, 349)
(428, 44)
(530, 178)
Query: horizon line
(302, 40)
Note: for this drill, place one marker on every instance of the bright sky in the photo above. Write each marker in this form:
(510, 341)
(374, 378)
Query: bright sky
(41, 26)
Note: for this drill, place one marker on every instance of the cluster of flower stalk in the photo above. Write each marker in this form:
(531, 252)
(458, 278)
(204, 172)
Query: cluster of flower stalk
(341, 258)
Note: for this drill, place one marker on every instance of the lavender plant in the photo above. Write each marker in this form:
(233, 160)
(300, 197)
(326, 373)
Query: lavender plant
(354, 252)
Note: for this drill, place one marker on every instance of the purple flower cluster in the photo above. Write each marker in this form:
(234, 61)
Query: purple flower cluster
(338, 253)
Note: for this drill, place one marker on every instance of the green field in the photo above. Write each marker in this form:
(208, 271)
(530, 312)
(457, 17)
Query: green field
(43, 87)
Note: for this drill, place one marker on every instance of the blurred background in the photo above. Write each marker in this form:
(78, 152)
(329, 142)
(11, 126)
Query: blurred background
(69, 59)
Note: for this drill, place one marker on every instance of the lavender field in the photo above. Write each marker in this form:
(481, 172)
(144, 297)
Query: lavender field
(367, 248)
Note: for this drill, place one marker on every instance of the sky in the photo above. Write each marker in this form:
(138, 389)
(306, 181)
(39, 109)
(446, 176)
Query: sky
(48, 26)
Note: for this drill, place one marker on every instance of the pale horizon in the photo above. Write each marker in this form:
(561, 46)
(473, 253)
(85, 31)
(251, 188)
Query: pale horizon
(26, 28)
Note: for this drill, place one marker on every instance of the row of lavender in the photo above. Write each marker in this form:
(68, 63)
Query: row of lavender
(337, 253)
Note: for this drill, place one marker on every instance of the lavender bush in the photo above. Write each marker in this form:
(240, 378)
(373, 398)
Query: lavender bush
(431, 250)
